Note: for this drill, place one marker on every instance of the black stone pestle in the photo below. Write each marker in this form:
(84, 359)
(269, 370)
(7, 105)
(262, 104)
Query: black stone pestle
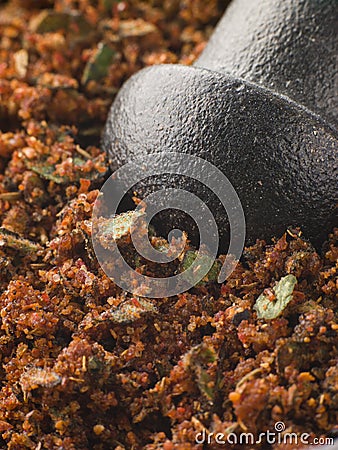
(260, 104)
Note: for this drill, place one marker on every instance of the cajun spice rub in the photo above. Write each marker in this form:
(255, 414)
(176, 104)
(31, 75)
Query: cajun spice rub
(85, 365)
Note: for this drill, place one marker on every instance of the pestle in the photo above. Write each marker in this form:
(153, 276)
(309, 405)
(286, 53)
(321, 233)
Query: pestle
(260, 104)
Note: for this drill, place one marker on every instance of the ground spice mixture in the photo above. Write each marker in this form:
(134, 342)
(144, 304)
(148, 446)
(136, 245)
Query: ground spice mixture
(85, 365)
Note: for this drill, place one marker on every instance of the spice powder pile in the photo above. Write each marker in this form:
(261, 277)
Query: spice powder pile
(85, 365)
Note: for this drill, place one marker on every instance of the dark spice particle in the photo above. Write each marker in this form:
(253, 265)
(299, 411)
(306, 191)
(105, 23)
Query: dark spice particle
(83, 364)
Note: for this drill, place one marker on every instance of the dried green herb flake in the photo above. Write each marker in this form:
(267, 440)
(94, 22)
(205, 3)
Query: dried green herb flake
(13, 240)
(132, 310)
(49, 21)
(188, 260)
(197, 360)
(117, 228)
(97, 67)
(267, 309)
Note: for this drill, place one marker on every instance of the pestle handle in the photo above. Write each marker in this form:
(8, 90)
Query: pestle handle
(278, 151)
(288, 46)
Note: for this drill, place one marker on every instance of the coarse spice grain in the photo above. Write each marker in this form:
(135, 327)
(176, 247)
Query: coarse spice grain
(84, 365)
